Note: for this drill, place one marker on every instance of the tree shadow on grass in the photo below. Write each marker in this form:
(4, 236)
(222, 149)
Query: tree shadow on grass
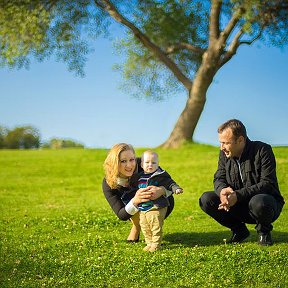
(215, 238)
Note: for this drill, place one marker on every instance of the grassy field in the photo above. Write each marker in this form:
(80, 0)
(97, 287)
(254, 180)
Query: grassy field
(57, 229)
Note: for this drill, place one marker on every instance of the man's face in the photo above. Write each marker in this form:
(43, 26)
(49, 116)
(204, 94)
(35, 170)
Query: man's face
(149, 163)
(229, 145)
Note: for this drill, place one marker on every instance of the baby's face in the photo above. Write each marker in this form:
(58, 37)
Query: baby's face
(149, 163)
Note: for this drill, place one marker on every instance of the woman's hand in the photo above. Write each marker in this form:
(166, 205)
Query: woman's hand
(148, 193)
(156, 192)
(143, 195)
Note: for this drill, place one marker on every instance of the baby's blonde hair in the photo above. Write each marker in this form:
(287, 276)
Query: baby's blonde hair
(111, 163)
(149, 152)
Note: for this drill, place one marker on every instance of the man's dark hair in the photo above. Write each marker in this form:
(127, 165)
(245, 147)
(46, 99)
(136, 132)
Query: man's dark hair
(237, 127)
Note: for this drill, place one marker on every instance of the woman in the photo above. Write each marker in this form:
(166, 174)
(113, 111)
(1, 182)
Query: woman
(119, 165)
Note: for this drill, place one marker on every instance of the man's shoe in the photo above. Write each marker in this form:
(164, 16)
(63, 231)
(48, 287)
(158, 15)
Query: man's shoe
(239, 235)
(265, 239)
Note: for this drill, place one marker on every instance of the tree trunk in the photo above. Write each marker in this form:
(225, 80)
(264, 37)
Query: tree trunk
(185, 126)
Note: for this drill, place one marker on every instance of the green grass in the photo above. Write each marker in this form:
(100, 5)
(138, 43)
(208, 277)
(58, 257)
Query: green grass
(57, 229)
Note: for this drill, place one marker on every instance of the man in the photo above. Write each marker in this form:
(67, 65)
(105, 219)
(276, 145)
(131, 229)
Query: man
(245, 185)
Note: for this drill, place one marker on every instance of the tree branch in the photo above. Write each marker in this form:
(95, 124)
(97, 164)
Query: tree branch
(99, 4)
(114, 13)
(182, 46)
(252, 40)
(234, 46)
(214, 20)
(231, 25)
(231, 50)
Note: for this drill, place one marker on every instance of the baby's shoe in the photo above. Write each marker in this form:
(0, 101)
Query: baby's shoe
(147, 247)
(154, 247)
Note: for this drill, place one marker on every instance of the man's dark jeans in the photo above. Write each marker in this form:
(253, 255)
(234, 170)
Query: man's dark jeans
(261, 209)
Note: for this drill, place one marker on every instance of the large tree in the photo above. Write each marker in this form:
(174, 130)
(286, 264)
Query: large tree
(168, 44)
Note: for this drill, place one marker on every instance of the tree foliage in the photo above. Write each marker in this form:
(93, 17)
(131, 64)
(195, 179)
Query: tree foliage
(168, 26)
(40, 29)
(25, 137)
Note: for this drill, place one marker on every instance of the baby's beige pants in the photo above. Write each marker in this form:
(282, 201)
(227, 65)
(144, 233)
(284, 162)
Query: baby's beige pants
(151, 223)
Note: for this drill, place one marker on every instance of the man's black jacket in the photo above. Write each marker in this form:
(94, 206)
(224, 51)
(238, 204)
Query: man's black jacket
(258, 169)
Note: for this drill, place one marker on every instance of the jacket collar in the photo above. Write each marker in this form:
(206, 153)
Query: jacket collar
(246, 149)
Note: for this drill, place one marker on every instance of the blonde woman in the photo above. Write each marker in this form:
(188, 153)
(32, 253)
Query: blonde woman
(119, 165)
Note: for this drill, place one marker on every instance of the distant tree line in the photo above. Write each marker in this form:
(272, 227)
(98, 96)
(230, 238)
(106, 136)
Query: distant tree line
(28, 137)
(57, 143)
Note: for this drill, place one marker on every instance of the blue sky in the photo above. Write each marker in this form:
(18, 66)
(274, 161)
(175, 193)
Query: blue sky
(94, 111)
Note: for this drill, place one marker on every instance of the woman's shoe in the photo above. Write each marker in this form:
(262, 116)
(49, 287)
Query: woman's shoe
(133, 241)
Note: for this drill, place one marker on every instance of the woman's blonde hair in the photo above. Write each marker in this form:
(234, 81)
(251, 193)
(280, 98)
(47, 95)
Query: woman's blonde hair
(111, 163)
